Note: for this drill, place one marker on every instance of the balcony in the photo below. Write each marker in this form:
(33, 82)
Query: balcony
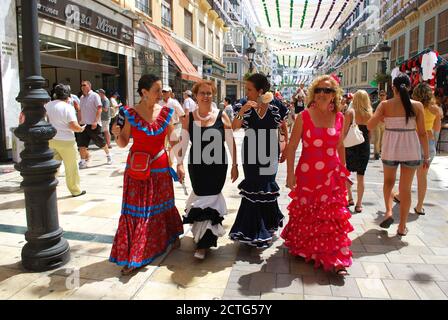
(362, 50)
(229, 48)
(232, 76)
(407, 11)
(217, 9)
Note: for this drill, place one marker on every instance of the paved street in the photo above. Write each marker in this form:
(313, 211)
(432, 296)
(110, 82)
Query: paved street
(385, 267)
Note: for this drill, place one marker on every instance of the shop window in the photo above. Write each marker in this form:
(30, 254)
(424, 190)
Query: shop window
(430, 33)
(413, 45)
(188, 25)
(144, 6)
(57, 47)
(95, 55)
(443, 33)
(166, 14)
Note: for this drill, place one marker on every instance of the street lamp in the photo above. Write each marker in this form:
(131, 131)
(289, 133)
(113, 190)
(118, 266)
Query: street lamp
(250, 55)
(45, 249)
(385, 49)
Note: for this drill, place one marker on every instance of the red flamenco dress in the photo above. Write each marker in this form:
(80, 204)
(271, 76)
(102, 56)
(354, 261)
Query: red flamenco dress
(149, 220)
(318, 223)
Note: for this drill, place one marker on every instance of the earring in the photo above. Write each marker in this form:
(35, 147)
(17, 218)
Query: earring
(331, 106)
(312, 104)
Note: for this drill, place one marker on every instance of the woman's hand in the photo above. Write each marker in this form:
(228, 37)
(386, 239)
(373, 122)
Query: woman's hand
(116, 130)
(426, 164)
(249, 104)
(181, 172)
(283, 156)
(234, 173)
(291, 181)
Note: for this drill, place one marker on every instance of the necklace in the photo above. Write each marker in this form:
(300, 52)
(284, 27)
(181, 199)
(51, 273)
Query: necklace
(206, 118)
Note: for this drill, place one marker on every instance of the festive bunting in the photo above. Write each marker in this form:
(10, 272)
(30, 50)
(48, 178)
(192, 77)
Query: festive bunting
(328, 13)
(317, 12)
(278, 14)
(339, 14)
(266, 13)
(309, 57)
(291, 10)
(295, 64)
(301, 62)
(304, 14)
(351, 14)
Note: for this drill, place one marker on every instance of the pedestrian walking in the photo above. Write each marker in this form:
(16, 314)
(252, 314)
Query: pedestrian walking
(259, 215)
(206, 206)
(357, 157)
(106, 115)
(189, 104)
(379, 130)
(62, 117)
(91, 108)
(433, 114)
(404, 139)
(149, 220)
(319, 224)
(228, 108)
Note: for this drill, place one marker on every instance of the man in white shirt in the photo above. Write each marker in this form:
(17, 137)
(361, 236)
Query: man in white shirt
(62, 117)
(91, 108)
(168, 101)
(189, 104)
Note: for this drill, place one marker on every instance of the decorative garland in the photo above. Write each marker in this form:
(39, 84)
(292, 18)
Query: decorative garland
(301, 62)
(304, 14)
(317, 12)
(292, 42)
(351, 14)
(291, 10)
(328, 13)
(278, 14)
(266, 13)
(295, 64)
(309, 57)
(339, 14)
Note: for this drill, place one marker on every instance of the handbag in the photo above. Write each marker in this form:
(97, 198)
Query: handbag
(140, 164)
(354, 135)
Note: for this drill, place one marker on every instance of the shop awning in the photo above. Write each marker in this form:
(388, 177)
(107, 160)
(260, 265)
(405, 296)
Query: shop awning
(188, 71)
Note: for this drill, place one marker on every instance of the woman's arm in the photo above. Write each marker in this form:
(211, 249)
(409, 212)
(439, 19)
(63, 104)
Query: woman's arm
(238, 120)
(423, 137)
(291, 148)
(341, 148)
(348, 120)
(230, 141)
(377, 117)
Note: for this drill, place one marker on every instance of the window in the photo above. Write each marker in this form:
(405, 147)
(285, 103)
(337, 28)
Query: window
(430, 33)
(202, 35)
(217, 46)
(393, 53)
(379, 66)
(232, 67)
(210, 41)
(356, 73)
(166, 14)
(188, 25)
(400, 50)
(443, 33)
(144, 6)
(364, 71)
(413, 45)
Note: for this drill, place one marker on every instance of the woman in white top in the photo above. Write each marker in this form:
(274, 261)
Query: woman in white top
(62, 116)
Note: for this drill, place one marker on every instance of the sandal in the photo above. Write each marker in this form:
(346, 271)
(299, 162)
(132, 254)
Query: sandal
(342, 272)
(358, 209)
(396, 200)
(387, 223)
(402, 234)
(127, 271)
(350, 202)
(421, 213)
(199, 254)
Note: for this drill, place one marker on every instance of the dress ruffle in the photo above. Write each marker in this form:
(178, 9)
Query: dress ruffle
(318, 224)
(157, 127)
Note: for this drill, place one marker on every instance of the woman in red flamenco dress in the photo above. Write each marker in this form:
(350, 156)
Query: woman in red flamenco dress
(318, 223)
(149, 221)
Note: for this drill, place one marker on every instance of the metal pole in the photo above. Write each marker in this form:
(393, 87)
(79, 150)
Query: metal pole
(45, 248)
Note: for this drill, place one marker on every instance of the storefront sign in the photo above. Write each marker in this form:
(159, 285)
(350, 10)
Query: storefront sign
(79, 17)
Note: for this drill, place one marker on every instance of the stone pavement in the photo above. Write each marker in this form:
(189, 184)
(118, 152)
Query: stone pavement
(385, 267)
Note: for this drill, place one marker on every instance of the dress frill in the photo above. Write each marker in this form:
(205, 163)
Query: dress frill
(206, 214)
(318, 224)
(259, 215)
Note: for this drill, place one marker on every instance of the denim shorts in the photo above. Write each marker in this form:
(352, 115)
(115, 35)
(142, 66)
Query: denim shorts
(432, 149)
(409, 164)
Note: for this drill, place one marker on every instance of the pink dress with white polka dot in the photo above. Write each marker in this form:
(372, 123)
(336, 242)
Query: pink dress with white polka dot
(319, 224)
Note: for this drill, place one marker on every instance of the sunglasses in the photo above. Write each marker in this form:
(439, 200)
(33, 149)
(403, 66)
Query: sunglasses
(324, 90)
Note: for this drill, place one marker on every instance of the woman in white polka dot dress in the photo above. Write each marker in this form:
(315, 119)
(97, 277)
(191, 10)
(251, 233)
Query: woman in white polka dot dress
(318, 223)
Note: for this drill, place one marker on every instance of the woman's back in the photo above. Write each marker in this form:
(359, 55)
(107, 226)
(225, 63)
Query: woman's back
(394, 107)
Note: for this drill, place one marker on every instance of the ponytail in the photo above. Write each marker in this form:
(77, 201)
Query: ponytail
(401, 83)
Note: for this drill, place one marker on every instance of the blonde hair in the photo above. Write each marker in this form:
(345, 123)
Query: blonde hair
(335, 85)
(361, 103)
(423, 93)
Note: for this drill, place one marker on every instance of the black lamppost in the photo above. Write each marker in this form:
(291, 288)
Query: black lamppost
(45, 249)
(385, 49)
(250, 55)
(268, 76)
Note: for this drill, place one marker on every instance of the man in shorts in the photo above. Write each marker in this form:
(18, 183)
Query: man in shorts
(105, 116)
(91, 108)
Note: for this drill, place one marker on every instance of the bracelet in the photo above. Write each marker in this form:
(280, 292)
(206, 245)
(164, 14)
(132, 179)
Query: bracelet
(239, 117)
(235, 165)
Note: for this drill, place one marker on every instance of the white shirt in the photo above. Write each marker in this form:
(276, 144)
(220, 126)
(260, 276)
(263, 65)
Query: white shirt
(60, 114)
(89, 107)
(189, 105)
(429, 61)
(115, 106)
(175, 105)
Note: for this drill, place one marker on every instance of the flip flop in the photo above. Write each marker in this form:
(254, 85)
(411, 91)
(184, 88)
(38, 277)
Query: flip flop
(387, 223)
(342, 272)
(396, 200)
(403, 234)
(358, 209)
(350, 202)
(421, 213)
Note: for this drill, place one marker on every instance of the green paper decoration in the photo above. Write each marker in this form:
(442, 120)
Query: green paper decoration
(278, 14)
(266, 13)
(291, 9)
(304, 14)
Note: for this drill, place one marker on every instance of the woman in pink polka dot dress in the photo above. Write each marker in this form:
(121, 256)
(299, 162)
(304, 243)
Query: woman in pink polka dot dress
(318, 224)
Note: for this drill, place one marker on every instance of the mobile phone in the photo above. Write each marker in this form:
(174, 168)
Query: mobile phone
(120, 118)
